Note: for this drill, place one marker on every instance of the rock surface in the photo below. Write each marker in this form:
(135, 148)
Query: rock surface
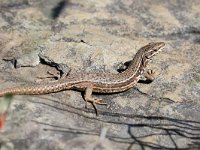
(97, 36)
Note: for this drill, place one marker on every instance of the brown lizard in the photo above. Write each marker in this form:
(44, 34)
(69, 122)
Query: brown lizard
(96, 82)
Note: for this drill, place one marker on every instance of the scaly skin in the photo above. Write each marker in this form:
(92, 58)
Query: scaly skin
(95, 82)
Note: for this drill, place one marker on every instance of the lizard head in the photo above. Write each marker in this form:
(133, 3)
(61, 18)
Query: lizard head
(152, 49)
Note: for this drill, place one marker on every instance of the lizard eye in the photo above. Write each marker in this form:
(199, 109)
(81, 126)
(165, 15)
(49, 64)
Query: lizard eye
(155, 50)
(151, 43)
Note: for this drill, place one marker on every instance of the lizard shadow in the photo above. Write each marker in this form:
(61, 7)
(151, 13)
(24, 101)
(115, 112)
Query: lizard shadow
(123, 66)
(138, 128)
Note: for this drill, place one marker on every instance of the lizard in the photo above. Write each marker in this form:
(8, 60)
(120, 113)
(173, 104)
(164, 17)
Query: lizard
(90, 82)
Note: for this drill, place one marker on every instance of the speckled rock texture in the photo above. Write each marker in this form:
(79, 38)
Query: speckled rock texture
(41, 40)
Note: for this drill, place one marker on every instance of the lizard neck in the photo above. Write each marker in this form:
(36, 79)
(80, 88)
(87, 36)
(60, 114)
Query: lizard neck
(125, 80)
(136, 67)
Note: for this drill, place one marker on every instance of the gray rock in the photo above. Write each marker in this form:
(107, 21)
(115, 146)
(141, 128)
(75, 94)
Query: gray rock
(98, 36)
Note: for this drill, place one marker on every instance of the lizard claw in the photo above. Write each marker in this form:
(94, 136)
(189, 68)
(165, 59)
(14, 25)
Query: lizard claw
(95, 101)
(99, 102)
(151, 72)
(150, 75)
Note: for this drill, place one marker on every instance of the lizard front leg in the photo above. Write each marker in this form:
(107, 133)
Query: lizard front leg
(149, 75)
(93, 100)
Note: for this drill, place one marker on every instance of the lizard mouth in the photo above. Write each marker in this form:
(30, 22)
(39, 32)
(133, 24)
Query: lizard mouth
(156, 50)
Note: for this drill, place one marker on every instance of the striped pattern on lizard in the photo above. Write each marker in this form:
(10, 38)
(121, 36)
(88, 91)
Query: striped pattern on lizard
(96, 82)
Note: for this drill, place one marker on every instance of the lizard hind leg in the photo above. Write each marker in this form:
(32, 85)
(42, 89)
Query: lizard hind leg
(93, 100)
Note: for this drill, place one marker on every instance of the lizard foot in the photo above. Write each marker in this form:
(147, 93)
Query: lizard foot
(150, 75)
(94, 101)
(98, 101)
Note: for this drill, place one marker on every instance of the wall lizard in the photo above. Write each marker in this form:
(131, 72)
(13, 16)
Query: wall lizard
(97, 82)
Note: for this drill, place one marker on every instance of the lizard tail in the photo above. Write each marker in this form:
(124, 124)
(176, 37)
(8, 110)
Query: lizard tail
(34, 90)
